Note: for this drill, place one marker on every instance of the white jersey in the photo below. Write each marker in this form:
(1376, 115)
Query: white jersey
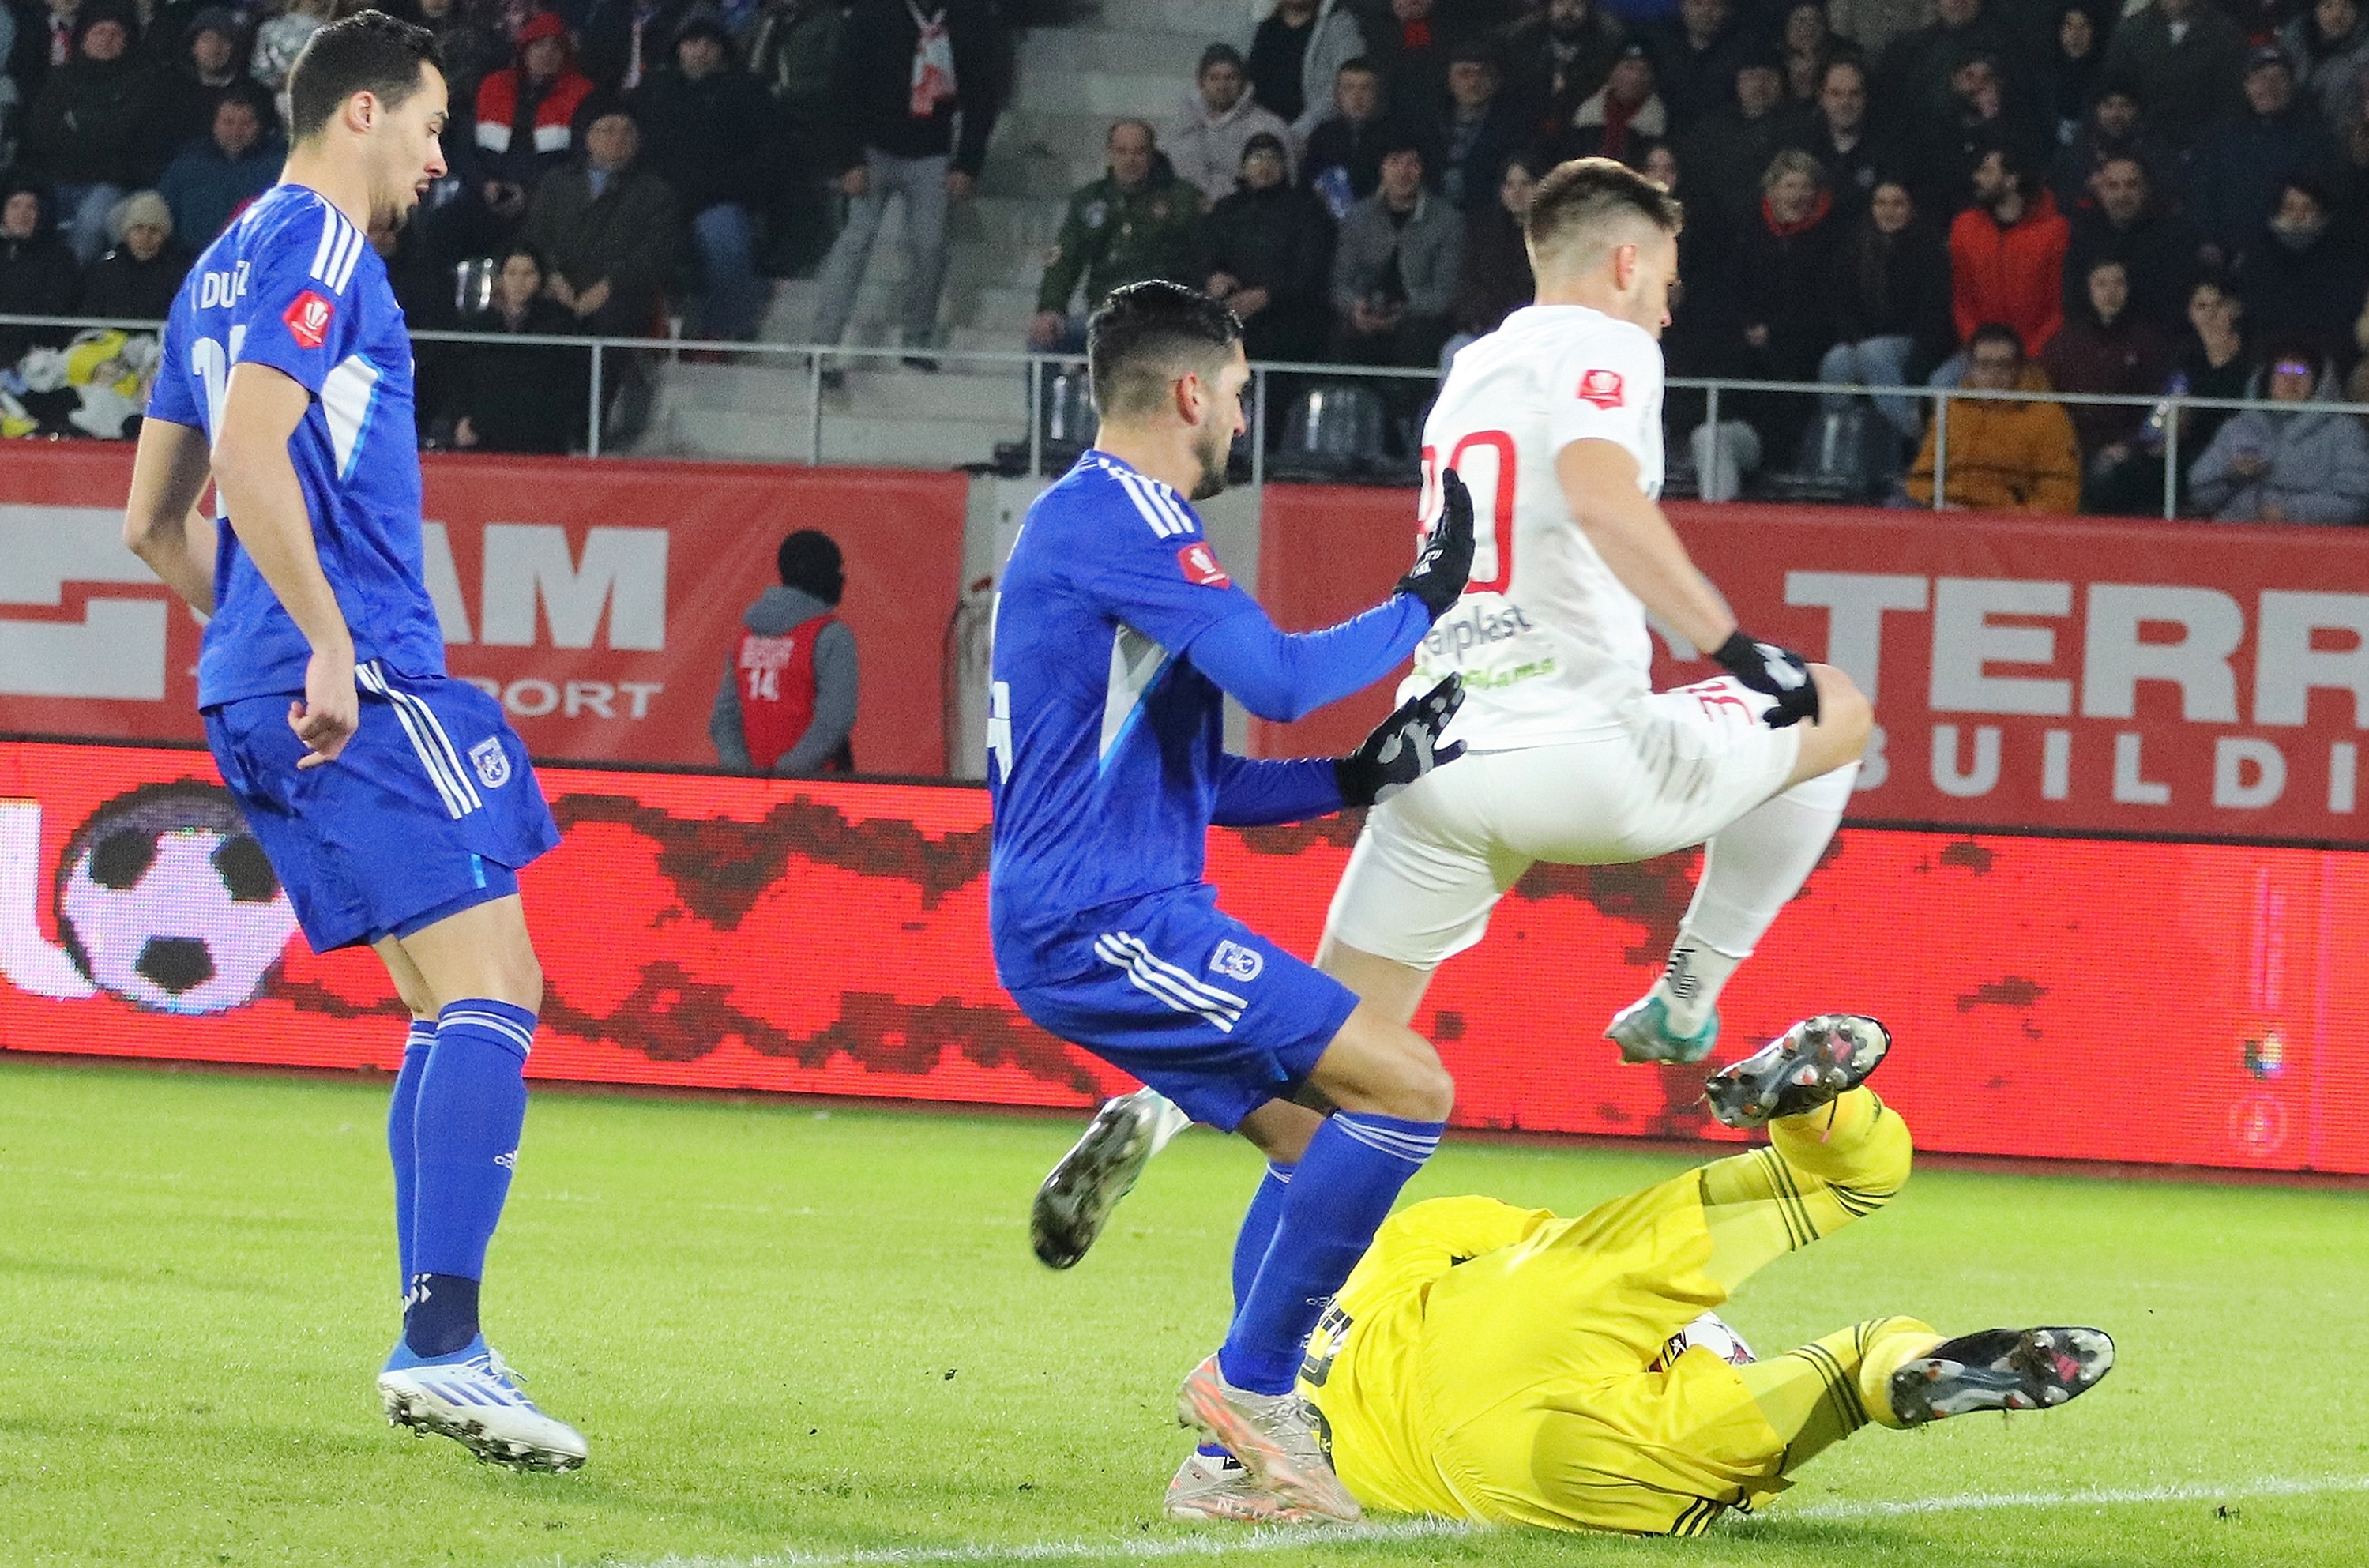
(1551, 645)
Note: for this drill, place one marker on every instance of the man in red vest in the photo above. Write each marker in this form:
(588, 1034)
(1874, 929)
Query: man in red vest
(787, 702)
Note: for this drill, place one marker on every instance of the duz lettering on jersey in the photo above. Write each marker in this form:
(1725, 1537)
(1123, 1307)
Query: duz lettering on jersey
(1474, 625)
(216, 289)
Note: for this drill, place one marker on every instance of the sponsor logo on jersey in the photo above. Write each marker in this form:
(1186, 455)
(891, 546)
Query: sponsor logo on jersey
(1602, 388)
(1236, 962)
(1200, 563)
(492, 764)
(308, 319)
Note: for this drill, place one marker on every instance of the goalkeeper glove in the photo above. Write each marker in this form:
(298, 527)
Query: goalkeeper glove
(1774, 672)
(1402, 748)
(1444, 561)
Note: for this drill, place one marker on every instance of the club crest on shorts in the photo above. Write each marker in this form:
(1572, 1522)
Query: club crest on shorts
(1237, 962)
(492, 763)
(1602, 388)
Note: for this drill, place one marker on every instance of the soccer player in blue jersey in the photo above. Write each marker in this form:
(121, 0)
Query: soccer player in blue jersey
(395, 805)
(1117, 637)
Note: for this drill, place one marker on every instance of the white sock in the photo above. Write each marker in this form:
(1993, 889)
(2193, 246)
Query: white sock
(1172, 1118)
(1751, 870)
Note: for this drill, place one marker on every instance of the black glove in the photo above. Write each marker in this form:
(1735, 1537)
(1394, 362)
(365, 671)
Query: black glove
(1773, 671)
(1402, 748)
(1444, 561)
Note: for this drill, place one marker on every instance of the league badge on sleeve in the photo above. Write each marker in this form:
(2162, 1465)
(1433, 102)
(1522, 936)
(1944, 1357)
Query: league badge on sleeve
(1200, 563)
(1602, 388)
(308, 319)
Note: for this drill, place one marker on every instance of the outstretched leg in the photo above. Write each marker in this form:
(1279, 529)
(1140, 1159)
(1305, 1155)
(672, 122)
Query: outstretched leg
(1822, 1170)
(1816, 1396)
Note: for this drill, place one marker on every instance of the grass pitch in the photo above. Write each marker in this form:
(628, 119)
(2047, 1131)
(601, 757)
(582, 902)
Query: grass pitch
(810, 1338)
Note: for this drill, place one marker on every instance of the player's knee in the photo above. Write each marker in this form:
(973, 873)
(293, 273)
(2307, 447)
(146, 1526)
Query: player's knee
(1426, 1087)
(1845, 717)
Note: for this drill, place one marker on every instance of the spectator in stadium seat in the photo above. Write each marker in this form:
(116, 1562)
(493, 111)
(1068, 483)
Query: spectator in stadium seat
(1784, 260)
(521, 398)
(2105, 346)
(470, 49)
(917, 106)
(88, 132)
(137, 279)
(1621, 116)
(2123, 221)
(190, 87)
(212, 181)
(1840, 136)
(526, 117)
(1887, 300)
(625, 40)
(1809, 46)
(1343, 163)
(1219, 116)
(2329, 46)
(1493, 275)
(1912, 79)
(2183, 61)
(1296, 54)
(2115, 130)
(1480, 130)
(2294, 464)
(786, 705)
(2075, 65)
(2006, 255)
(2017, 456)
(704, 125)
(1267, 253)
(279, 40)
(1980, 117)
(1409, 42)
(38, 273)
(1727, 151)
(1560, 56)
(2211, 360)
(44, 42)
(604, 230)
(1139, 221)
(1694, 61)
(1394, 268)
(2304, 271)
(2236, 168)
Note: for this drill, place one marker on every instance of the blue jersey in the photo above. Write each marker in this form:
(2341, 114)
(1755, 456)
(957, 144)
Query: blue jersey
(293, 286)
(1118, 633)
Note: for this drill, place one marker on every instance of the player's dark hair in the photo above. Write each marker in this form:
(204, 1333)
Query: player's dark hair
(1146, 335)
(369, 51)
(1994, 332)
(1591, 201)
(809, 561)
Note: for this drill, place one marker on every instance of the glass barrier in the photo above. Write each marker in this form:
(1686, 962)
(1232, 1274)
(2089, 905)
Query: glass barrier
(1023, 414)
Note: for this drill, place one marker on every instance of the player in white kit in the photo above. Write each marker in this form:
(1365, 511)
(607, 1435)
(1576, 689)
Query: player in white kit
(1554, 421)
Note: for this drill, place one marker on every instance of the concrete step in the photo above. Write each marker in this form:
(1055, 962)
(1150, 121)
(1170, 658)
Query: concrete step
(1087, 50)
(847, 438)
(1211, 21)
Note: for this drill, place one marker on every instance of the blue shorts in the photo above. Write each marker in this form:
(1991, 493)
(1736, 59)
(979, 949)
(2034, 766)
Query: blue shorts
(431, 810)
(1196, 1004)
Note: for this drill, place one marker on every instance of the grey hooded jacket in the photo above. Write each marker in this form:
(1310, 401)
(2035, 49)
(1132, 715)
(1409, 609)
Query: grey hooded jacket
(780, 610)
(2318, 465)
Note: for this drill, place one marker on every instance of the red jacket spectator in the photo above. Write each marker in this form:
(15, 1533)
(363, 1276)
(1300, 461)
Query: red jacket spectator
(553, 90)
(2007, 260)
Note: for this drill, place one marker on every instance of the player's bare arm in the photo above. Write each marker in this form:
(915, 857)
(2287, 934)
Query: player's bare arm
(1628, 529)
(265, 501)
(161, 522)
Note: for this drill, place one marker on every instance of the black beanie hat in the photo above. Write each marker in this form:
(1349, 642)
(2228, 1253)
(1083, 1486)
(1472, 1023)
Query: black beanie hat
(809, 561)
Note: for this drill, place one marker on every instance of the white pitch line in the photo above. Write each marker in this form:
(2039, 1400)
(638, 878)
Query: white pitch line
(2182, 1491)
(1280, 1539)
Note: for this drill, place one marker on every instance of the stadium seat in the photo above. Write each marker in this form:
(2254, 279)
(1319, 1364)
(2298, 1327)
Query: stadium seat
(1335, 431)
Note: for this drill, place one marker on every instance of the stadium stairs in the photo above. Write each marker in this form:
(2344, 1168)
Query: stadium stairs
(1134, 58)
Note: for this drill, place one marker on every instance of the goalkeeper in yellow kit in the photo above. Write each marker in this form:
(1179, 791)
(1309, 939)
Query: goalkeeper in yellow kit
(1502, 1364)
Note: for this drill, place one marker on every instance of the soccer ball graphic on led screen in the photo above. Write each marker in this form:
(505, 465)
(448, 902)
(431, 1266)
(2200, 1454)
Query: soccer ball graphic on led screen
(165, 898)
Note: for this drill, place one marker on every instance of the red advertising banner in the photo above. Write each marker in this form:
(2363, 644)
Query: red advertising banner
(597, 600)
(2189, 1004)
(2094, 675)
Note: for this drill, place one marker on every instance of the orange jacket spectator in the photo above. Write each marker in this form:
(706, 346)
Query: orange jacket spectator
(2006, 258)
(2004, 456)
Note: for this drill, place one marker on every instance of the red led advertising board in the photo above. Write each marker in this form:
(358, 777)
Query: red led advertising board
(2188, 1004)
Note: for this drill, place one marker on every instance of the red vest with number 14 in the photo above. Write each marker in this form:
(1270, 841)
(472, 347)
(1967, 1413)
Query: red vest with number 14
(777, 691)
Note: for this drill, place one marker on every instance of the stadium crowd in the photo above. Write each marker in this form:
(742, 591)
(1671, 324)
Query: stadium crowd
(2171, 196)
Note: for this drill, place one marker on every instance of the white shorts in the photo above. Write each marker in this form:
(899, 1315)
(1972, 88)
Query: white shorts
(1436, 858)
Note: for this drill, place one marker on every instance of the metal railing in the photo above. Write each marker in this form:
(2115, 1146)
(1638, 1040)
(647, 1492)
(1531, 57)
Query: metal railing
(1029, 369)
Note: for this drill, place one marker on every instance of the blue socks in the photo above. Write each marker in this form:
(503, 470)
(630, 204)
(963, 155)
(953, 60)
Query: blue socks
(402, 1116)
(1338, 1196)
(471, 1107)
(1258, 1229)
